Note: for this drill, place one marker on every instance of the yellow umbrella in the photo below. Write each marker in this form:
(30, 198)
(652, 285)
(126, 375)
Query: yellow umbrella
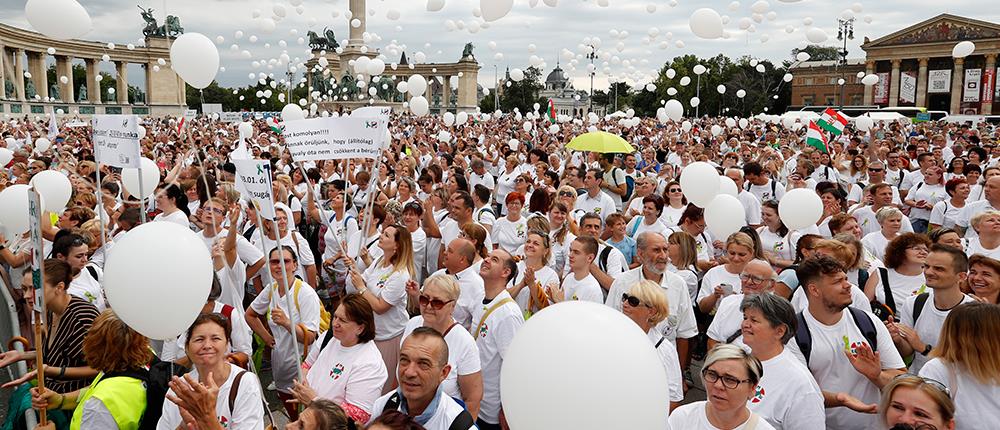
(599, 141)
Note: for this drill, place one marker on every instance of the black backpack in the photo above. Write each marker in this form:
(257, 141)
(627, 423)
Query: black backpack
(602, 260)
(884, 310)
(463, 421)
(803, 338)
(156, 380)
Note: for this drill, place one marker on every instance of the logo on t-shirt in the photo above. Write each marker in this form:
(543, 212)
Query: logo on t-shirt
(758, 395)
(852, 347)
(778, 247)
(520, 230)
(483, 330)
(224, 422)
(919, 291)
(337, 371)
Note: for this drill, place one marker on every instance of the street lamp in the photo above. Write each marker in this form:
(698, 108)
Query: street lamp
(496, 88)
(845, 32)
(593, 70)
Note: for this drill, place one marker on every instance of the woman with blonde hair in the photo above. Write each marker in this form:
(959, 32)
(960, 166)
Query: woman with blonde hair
(534, 273)
(987, 225)
(967, 362)
(723, 280)
(910, 401)
(683, 253)
(730, 376)
(647, 306)
(562, 236)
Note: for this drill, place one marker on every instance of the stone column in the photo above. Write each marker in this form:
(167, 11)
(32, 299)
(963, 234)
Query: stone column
(64, 67)
(121, 90)
(149, 82)
(19, 73)
(36, 66)
(359, 12)
(957, 85)
(93, 87)
(467, 88)
(922, 83)
(3, 72)
(894, 84)
(869, 89)
(991, 65)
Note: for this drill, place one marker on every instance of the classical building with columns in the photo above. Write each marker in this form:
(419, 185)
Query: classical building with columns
(334, 87)
(27, 51)
(916, 68)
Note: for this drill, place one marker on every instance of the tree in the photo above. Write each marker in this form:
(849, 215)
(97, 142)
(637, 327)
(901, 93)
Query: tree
(601, 98)
(523, 94)
(488, 103)
(819, 53)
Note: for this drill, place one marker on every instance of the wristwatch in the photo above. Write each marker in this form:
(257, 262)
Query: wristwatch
(927, 350)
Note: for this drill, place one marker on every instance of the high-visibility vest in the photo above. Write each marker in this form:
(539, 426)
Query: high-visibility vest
(125, 398)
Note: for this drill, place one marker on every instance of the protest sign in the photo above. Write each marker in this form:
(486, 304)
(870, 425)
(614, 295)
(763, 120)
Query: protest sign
(254, 180)
(37, 247)
(116, 140)
(334, 138)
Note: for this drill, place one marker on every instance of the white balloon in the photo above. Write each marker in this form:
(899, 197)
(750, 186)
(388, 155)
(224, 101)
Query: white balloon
(963, 49)
(549, 360)
(685, 81)
(246, 130)
(6, 155)
(816, 35)
(418, 105)
(516, 75)
(760, 68)
(673, 109)
(462, 118)
(195, 58)
(699, 69)
(142, 132)
(730, 122)
(716, 130)
(14, 209)
(706, 23)
(788, 77)
(435, 5)
(449, 119)
(42, 144)
(392, 14)
(671, 91)
(416, 85)
(292, 112)
(728, 186)
(802, 56)
(444, 136)
(686, 126)
(864, 123)
(725, 215)
(760, 6)
(493, 10)
(528, 126)
(741, 93)
(179, 293)
(403, 86)
(744, 123)
(55, 188)
(700, 182)
(695, 101)
(671, 73)
(721, 89)
(870, 80)
(58, 19)
(800, 208)
(150, 178)
(64, 80)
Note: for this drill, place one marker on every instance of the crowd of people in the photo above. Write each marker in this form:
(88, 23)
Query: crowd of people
(410, 275)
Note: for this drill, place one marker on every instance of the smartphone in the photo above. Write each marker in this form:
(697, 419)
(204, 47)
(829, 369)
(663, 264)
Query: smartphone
(727, 290)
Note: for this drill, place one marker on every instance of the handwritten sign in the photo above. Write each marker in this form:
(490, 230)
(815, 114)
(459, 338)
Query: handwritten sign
(334, 138)
(116, 140)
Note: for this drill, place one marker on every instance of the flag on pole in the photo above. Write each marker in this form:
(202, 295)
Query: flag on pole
(53, 126)
(180, 125)
(816, 138)
(274, 124)
(550, 113)
(832, 121)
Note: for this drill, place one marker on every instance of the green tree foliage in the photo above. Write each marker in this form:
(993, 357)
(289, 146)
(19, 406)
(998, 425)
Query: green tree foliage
(819, 53)
(524, 94)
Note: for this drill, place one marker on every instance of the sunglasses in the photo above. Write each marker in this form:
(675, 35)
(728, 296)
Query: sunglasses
(632, 301)
(519, 180)
(566, 194)
(435, 304)
(876, 170)
(674, 190)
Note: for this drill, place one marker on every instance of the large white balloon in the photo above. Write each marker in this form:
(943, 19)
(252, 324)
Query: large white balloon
(963, 49)
(800, 208)
(706, 23)
(864, 123)
(195, 59)
(816, 35)
(179, 293)
(728, 186)
(42, 144)
(376, 67)
(495, 9)
(449, 119)
(419, 106)
(686, 126)
(416, 85)
(246, 129)
(699, 69)
(150, 178)
(58, 19)
(700, 183)
(435, 5)
(6, 156)
(724, 216)
(292, 112)
(516, 75)
(870, 80)
(14, 209)
(461, 118)
(674, 109)
(549, 370)
(55, 189)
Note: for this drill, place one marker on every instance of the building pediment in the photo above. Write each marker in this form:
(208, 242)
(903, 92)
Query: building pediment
(940, 29)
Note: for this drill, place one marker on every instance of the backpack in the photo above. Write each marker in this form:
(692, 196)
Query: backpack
(463, 421)
(887, 309)
(324, 315)
(602, 260)
(156, 380)
(803, 338)
(629, 188)
(93, 273)
(479, 217)
(918, 306)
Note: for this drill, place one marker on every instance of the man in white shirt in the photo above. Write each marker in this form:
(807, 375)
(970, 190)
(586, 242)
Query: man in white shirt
(610, 262)
(990, 201)
(483, 214)
(757, 278)
(838, 344)
(895, 173)
(614, 183)
(496, 322)
(458, 258)
(423, 365)
(881, 197)
(925, 161)
(479, 175)
(921, 317)
(751, 203)
(652, 253)
(595, 200)
(760, 184)
(580, 284)
(876, 175)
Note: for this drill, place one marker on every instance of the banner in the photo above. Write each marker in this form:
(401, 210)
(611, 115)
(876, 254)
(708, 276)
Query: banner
(882, 89)
(253, 179)
(334, 138)
(972, 79)
(116, 140)
(231, 116)
(908, 87)
(37, 247)
(939, 81)
(372, 112)
(988, 86)
(996, 89)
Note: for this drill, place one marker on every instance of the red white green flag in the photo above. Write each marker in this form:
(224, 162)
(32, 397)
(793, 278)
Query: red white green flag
(816, 138)
(550, 113)
(274, 124)
(832, 121)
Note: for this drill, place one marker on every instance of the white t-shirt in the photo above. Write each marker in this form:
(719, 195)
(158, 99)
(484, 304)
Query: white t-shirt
(902, 286)
(671, 364)
(390, 285)
(283, 357)
(717, 276)
(681, 322)
(176, 217)
(493, 338)
(857, 194)
(928, 326)
(833, 371)
(783, 247)
(875, 242)
(728, 321)
(671, 216)
(241, 339)
(970, 210)
(613, 178)
(751, 207)
(470, 295)
(463, 355)
(587, 289)
(296, 242)
(248, 409)
(509, 235)
(976, 247)
(233, 277)
(945, 214)
(930, 193)
(692, 417)
(638, 225)
(86, 287)
(352, 375)
(787, 396)
(869, 224)
(543, 277)
(602, 204)
(977, 405)
(764, 193)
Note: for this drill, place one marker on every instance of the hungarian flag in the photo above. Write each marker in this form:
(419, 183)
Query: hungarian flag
(816, 138)
(832, 121)
(180, 125)
(274, 124)
(550, 113)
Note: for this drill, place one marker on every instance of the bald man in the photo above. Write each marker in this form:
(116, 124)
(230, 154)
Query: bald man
(458, 257)
(757, 278)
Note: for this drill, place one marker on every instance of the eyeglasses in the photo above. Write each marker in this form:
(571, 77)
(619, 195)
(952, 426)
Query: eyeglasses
(216, 210)
(919, 249)
(277, 261)
(435, 304)
(674, 190)
(711, 376)
(519, 180)
(753, 278)
(875, 170)
(566, 194)
(632, 301)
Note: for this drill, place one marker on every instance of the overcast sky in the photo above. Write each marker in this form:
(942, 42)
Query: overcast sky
(551, 29)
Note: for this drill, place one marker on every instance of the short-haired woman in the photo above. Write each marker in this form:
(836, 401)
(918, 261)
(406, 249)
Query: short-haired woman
(967, 362)
(890, 220)
(987, 243)
(984, 279)
(730, 376)
(904, 270)
(509, 231)
(322, 414)
(683, 253)
(913, 402)
(647, 306)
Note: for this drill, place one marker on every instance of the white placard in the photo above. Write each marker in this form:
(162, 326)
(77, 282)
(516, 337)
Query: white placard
(231, 116)
(35, 215)
(334, 138)
(372, 112)
(908, 87)
(973, 80)
(116, 140)
(939, 81)
(254, 181)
